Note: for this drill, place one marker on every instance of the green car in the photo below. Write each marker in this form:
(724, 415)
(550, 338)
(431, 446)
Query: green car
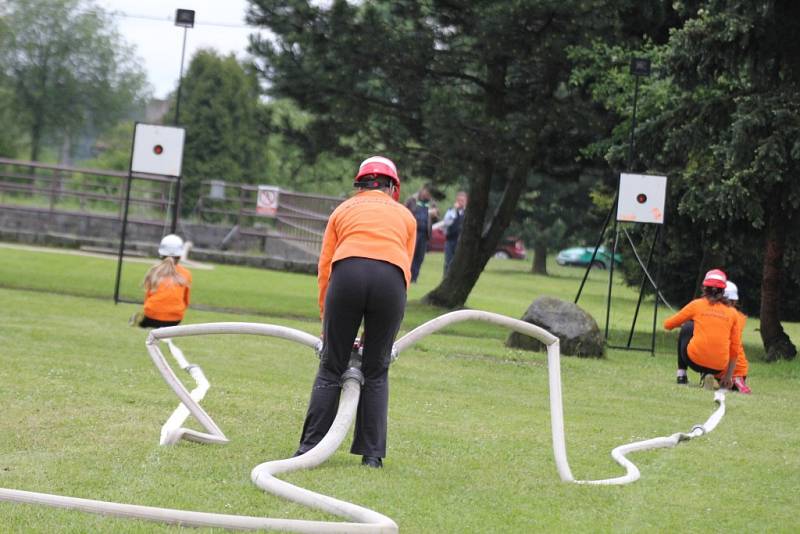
(581, 256)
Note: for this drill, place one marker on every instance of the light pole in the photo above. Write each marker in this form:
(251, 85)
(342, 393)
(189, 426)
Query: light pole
(639, 67)
(183, 18)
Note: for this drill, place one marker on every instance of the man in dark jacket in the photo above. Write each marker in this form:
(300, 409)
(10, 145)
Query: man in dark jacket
(453, 221)
(424, 210)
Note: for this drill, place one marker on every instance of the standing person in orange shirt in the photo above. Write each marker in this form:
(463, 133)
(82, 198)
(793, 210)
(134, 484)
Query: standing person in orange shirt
(710, 333)
(364, 271)
(740, 371)
(167, 286)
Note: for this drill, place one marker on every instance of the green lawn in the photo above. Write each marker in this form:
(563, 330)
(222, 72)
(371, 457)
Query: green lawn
(469, 431)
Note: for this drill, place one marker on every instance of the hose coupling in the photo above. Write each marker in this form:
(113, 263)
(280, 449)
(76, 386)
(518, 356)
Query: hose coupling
(701, 428)
(353, 373)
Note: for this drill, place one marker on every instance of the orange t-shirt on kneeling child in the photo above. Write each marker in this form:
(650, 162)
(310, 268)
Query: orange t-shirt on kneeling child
(169, 300)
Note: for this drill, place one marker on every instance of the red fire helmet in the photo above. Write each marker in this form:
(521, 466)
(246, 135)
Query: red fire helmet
(378, 165)
(715, 278)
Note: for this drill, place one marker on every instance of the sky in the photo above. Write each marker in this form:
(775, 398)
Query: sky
(149, 26)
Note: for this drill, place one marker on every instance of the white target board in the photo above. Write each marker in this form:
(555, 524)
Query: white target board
(641, 198)
(157, 149)
(267, 201)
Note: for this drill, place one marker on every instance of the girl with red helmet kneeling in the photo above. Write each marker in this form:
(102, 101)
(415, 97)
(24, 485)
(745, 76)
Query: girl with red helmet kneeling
(710, 334)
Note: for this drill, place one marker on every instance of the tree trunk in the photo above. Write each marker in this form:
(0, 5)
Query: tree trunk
(475, 246)
(36, 136)
(776, 342)
(539, 258)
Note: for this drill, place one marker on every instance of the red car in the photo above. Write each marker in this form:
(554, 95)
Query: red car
(509, 247)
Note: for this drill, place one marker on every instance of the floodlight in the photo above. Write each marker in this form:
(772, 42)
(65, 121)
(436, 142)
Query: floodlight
(640, 66)
(184, 18)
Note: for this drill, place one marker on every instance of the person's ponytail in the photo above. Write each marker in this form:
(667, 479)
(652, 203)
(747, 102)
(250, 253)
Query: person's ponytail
(714, 294)
(167, 269)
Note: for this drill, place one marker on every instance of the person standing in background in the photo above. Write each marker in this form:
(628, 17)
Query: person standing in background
(423, 208)
(453, 221)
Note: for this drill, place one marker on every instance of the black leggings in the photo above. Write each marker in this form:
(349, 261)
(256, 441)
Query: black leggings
(147, 322)
(360, 289)
(684, 361)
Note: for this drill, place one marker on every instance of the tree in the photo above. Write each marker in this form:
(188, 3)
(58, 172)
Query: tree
(9, 133)
(69, 68)
(556, 208)
(226, 124)
(733, 62)
(288, 161)
(723, 119)
(448, 88)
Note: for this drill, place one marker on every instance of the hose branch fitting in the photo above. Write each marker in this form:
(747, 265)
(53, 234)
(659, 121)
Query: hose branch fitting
(354, 365)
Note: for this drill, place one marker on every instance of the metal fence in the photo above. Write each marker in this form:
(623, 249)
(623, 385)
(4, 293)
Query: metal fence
(87, 204)
(299, 219)
(72, 189)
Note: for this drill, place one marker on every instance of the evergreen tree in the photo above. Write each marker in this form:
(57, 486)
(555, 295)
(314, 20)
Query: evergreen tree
(226, 124)
(449, 89)
(723, 120)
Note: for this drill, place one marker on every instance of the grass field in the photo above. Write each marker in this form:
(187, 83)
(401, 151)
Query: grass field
(469, 438)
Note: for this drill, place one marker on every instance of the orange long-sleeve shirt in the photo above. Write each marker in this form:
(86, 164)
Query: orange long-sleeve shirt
(717, 333)
(741, 359)
(168, 302)
(367, 225)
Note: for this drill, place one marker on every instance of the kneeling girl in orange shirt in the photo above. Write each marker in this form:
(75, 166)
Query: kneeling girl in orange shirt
(167, 286)
(710, 333)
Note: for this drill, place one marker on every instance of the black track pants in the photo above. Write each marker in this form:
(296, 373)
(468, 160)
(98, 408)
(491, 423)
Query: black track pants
(360, 289)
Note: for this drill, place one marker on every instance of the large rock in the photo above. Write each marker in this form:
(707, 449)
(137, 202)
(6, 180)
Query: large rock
(577, 330)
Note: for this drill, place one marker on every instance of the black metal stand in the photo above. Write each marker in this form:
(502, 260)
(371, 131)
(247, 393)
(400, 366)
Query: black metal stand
(611, 277)
(124, 228)
(177, 204)
(656, 291)
(122, 235)
(657, 241)
(597, 246)
(639, 67)
(642, 286)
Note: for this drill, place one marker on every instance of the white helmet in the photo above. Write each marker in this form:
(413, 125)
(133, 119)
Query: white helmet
(731, 291)
(171, 245)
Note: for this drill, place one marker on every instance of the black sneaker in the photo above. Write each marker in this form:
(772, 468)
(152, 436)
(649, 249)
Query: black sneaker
(683, 380)
(372, 461)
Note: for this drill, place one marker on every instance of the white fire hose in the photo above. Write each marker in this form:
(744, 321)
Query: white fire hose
(263, 475)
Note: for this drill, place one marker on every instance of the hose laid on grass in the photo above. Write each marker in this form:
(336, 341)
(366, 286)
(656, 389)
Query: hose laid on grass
(365, 520)
(263, 475)
(632, 473)
(172, 432)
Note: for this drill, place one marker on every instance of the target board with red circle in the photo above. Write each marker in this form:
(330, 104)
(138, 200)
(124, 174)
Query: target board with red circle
(157, 149)
(642, 198)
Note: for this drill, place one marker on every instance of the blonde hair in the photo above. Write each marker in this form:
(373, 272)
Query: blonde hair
(167, 269)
